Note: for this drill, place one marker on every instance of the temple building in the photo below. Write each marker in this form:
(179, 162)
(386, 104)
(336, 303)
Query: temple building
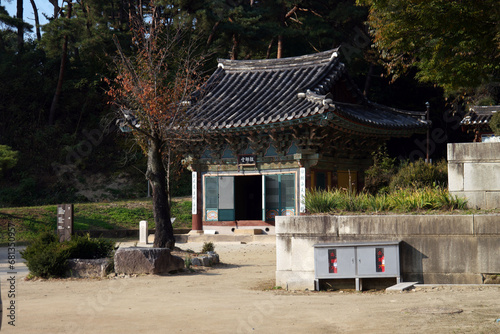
(275, 128)
(477, 120)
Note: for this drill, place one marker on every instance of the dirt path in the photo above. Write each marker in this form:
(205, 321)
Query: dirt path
(230, 298)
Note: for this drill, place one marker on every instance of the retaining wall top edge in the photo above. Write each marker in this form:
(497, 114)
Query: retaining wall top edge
(394, 215)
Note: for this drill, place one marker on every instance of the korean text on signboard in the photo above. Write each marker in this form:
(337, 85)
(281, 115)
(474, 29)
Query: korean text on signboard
(247, 159)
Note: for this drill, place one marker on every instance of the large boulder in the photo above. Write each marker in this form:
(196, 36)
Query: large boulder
(137, 260)
(86, 268)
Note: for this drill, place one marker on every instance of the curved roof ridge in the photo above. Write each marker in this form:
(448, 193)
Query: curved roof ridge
(311, 60)
(399, 111)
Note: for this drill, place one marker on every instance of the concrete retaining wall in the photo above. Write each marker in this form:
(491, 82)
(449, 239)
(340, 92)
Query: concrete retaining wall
(450, 249)
(474, 173)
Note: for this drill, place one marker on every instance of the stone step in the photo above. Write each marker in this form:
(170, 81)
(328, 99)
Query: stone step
(248, 231)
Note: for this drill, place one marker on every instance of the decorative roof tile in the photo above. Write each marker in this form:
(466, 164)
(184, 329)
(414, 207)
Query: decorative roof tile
(267, 92)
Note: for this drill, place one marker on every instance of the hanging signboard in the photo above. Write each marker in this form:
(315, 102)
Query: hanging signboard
(194, 193)
(247, 160)
(302, 190)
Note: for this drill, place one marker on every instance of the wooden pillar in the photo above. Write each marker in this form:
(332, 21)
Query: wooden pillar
(197, 203)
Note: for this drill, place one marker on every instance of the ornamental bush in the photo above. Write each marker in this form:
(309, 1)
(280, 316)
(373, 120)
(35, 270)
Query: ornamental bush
(378, 176)
(420, 174)
(46, 257)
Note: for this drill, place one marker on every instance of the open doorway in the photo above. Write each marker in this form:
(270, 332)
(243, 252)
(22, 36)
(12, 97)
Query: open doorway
(248, 197)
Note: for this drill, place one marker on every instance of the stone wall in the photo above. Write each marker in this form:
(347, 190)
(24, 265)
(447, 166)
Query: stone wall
(474, 173)
(434, 249)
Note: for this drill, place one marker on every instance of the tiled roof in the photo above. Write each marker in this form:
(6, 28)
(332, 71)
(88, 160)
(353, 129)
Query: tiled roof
(479, 115)
(246, 93)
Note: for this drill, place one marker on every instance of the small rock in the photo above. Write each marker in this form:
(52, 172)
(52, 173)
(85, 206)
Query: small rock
(206, 261)
(196, 261)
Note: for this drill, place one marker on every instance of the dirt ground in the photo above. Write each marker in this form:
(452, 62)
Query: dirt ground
(238, 297)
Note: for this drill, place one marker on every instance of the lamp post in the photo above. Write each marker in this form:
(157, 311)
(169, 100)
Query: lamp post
(427, 160)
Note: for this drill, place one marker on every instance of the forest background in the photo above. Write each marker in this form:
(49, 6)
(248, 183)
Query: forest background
(54, 110)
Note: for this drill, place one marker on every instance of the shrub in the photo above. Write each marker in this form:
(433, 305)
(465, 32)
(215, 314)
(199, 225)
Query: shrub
(47, 257)
(208, 247)
(84, 247)
(495, 123)
(378, 176)
(8, 159)
(420, 175)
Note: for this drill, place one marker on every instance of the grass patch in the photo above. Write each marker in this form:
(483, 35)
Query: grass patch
(31, 221)
(419, 200)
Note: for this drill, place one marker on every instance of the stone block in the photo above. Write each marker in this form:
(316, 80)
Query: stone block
(474, 152)
(88, 268)
(475, 199)
(283, 252)
(248, 231)
(455, 176)
(295, 280)
(137, 260)
(487, 225)
(481, 176)
(492, 199)
(488, 250)
(303, 254)
(433, 224)
(322, 225)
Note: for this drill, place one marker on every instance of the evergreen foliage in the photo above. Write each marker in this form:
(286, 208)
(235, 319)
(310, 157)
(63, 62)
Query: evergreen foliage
(454, 44)
(46, 257)
(420, 174)
(495, 123)
(378, 176)
(8, 159)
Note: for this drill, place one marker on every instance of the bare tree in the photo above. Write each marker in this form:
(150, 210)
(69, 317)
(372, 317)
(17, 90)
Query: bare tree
(151, 93)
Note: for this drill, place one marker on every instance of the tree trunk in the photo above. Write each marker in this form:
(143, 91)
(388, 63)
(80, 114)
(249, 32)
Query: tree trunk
(269, 48)
(62, 69)
(37, 21)
(20, 27)
(164, 232)
(280, 47)
(236, 44)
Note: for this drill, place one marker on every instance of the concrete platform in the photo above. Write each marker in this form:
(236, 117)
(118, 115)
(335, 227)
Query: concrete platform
(401, 286)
